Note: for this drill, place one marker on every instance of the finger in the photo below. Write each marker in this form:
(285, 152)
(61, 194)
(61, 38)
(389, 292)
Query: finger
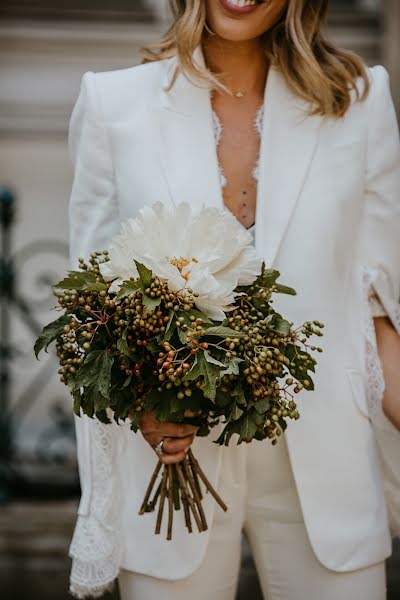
(171, 459)
(152, 438)
(176, 430)
(173, 445)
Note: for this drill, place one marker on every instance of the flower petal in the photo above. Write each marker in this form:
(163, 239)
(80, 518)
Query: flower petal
(216, 248)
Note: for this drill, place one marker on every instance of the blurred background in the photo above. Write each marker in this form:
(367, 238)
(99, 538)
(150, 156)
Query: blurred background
(45, 47)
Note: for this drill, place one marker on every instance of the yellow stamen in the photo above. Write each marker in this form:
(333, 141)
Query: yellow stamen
(181, 263)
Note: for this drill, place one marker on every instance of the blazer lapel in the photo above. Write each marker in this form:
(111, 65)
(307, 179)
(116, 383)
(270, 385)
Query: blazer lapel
(187, 148)
(288, 144)
(188, 153)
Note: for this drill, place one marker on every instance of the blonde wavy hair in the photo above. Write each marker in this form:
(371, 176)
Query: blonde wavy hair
(325, 76)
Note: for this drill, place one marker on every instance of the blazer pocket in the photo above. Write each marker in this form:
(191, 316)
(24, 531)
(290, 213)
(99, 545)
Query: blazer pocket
(358, 392)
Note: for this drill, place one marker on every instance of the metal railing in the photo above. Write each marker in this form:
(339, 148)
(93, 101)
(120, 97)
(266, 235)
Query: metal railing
(15, 308)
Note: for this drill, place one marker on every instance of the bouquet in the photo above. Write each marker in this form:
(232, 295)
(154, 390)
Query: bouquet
(177, 318)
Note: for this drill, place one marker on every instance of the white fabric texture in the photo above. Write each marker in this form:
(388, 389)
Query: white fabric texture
(374, 307)
(95, 547)
(127, 152)
(388, 438)
(268, 510)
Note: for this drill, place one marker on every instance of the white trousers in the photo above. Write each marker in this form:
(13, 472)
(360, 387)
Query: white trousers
(258, 486)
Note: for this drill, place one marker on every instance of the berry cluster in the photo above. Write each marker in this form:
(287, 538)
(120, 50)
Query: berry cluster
(163, 354)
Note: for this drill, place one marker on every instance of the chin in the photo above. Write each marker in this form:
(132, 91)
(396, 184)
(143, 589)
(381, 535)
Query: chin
(243, 26)
(235, 34)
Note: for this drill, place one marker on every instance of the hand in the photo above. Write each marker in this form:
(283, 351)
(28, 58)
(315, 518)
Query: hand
(388, 341)
(177, 437)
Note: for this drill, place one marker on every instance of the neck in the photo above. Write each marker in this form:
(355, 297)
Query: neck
(243, 66)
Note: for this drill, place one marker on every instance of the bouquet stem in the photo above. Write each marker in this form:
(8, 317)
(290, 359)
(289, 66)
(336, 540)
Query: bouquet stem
(179, 485)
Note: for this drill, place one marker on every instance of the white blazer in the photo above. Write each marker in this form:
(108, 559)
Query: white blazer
(327, 205)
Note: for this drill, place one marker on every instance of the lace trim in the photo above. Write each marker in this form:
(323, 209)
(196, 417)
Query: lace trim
(259, 120)
(85, 592)
(376, 382)
(217, 126)
(95, 548)
(387, 436)
(376, 306)
(259, 124)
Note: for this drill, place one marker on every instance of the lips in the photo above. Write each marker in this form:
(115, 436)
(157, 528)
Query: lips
(240, 7)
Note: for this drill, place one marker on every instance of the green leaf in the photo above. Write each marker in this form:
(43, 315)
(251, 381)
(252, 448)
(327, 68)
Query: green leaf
(282, 423)
(122, 344)
(171, 326)
(76, 395)
(95, 375)
(93, 401)
(153, 398)
(153, 346)
(50, 333)
(232, 368)
(239, 393)
(145, 275)
(182, 335)
(262, 405)
(150, 303)
(122, 401)
(194, 372)
(209, 372)
(169, 407)
(223, 399)
(284, 289)
(87, 402)
(175, 404)
(102, 416)
(221, 439)
(248, 428)
(197, 402)
(229, 430)
(128, 381)
(135, 420)
(80, 281)
(95, 287)
(128, 288)
(257, 418)
(223, 332)
(212, 360)
(267, 278)
(235, 413)
(281, 326)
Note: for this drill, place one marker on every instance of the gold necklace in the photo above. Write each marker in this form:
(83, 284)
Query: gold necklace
(239, 94)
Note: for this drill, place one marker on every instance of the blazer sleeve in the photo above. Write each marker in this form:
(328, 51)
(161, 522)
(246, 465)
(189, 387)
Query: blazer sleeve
(93, 209)
(93, 220)
(381, 219)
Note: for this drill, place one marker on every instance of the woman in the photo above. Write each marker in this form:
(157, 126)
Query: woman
(245, 104)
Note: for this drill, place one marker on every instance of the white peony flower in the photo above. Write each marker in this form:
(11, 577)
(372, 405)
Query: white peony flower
(209, 252)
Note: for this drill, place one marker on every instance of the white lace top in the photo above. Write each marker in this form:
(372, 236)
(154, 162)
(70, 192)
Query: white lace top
(95, 548)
